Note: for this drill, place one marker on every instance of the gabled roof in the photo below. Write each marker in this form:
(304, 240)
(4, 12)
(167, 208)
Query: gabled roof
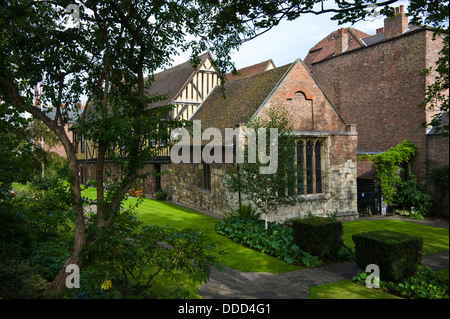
(326, 47)
(173, 80)
(251, 70)
(242, 99)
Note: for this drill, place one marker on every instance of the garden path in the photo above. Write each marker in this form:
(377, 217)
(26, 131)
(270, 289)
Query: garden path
(234, 284)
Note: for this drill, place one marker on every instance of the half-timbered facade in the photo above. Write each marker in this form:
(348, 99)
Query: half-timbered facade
(186, 88)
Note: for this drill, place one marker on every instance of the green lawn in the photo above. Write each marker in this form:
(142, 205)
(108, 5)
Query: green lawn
(434, 239)
(233, 255)
(153, 212)
(347, 289)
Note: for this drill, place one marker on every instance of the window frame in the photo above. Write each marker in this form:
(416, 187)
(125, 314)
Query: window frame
(311, 163)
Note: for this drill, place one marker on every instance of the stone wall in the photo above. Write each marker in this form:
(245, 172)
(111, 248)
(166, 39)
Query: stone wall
(183, 182)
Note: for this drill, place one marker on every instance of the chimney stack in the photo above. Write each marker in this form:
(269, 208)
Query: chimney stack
(341, 41)
(396, 25)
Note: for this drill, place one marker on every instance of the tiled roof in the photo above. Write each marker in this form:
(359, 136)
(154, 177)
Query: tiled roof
(356, 39)
(171, 81)
(242, 99)
(326, 47)
(250, 70)
(379, 37)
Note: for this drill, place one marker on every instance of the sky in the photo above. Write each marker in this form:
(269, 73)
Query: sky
(291, 40)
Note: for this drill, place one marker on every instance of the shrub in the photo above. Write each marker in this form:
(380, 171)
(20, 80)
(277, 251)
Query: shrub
(161, 194)
(246, 211)
(19, 280)
(411, 194)
(424, 285)
(396, 254)
(320, 236)
(276, 241)
(135, 257)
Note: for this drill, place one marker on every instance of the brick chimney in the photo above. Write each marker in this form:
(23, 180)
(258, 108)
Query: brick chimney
(397, 24)
(341, 42)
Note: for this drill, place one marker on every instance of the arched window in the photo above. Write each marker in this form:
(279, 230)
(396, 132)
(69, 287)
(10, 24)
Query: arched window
(309, 164)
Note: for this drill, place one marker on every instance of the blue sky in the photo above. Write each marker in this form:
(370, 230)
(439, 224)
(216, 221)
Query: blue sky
(291, 40)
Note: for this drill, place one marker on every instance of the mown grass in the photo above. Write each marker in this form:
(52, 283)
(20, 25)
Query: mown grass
(347, 289)
(434, 239)
(229, 253)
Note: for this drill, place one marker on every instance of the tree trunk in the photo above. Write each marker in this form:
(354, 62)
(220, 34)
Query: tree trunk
(79, 227)
(99, 184)
(79, 236)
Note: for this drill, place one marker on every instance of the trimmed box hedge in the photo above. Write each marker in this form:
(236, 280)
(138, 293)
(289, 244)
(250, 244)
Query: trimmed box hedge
(397, 255)
(320, 236)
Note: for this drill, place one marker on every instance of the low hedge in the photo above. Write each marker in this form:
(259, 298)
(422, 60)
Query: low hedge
(320, 236)
(397, 255)
(276, 241)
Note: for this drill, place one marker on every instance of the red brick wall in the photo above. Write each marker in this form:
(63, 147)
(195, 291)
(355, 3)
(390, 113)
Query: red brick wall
(438, 149)
(311, 110)
(379, 88)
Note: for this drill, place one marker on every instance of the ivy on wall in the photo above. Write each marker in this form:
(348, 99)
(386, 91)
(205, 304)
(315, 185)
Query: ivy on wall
(387, 166)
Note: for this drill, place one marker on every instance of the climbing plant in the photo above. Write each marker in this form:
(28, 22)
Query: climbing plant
(387, 165)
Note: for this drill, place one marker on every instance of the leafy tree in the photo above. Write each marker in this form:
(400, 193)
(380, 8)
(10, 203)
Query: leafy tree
(267, 191)
(16, 150)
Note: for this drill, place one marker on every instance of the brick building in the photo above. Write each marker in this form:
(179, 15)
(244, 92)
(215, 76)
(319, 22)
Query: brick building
(325, 144)
(376, 83)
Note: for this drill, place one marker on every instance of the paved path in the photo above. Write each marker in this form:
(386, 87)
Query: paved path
(233, 284)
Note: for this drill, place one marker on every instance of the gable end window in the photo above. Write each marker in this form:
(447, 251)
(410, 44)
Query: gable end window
(309, 164)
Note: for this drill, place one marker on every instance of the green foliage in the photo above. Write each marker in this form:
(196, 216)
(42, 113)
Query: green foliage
(246, 211)
(346, 253)
(426, 284)
(135, 258)
(396, 254)
(15, 150)
(320, 236)
(19, 280)
(267, 192)
(387, 166)
(161, 194)
(411, 195)
(16, 236)
(47, 206)
(277, 240)
(439, 175)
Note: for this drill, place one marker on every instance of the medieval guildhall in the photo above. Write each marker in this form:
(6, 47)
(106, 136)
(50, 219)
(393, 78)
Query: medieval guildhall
(353, 94)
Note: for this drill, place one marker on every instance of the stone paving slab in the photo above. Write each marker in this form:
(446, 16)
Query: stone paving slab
(233, 284)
